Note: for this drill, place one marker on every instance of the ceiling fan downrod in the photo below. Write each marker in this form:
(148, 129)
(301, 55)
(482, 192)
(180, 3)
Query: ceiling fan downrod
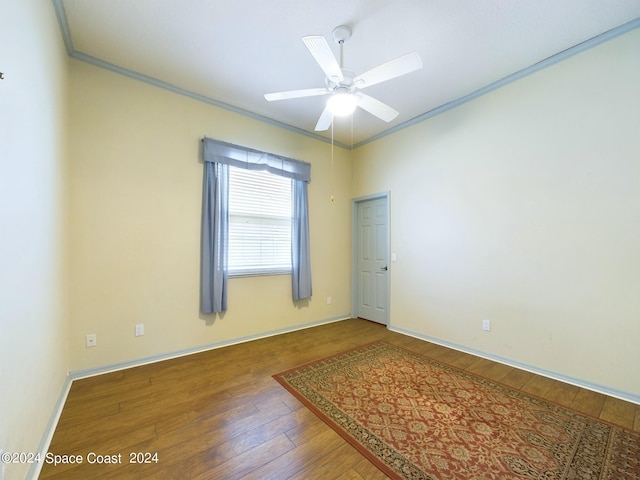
(341, 34)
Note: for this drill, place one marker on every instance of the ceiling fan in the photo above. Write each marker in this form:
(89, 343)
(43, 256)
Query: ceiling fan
(343, 85)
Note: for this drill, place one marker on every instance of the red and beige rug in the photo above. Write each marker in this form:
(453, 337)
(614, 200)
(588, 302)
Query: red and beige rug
(415, 418)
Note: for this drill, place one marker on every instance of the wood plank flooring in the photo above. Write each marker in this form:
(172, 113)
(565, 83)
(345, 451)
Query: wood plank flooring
(220, 415)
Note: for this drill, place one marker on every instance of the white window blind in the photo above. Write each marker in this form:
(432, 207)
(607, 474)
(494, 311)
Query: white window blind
(259, 223)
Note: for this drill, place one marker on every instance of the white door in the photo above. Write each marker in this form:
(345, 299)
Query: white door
(372, 266)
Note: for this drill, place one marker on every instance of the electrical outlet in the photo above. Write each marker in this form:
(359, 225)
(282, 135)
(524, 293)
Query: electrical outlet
(486, 325)
(90, 340)
(328, 300)
(139, 329)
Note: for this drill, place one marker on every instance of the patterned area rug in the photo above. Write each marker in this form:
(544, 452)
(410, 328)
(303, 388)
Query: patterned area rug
(415, 418)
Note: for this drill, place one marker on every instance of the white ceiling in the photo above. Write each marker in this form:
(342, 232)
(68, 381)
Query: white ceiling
(232, 52)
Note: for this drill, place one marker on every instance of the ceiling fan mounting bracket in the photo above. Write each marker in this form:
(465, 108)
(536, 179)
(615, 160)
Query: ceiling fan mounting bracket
(341, 34)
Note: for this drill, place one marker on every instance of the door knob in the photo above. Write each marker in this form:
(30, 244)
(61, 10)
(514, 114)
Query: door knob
(384, 268)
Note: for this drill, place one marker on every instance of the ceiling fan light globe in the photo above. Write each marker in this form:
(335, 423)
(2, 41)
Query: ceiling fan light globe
(342, 104)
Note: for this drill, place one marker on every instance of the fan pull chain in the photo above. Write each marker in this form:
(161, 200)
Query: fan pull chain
(351, 132)
(332, 198)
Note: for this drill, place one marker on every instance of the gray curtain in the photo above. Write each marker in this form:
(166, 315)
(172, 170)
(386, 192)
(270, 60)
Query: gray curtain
(215, 235)
(300, 256)
(218, 156)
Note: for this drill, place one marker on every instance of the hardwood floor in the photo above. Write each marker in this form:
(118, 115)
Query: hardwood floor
(220, 415)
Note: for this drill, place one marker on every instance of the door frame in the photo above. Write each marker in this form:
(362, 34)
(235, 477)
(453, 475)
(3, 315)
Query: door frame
(354, 251)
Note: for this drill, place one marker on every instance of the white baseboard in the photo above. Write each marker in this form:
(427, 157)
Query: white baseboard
(45, 441)
(90, 372)
(612, 392)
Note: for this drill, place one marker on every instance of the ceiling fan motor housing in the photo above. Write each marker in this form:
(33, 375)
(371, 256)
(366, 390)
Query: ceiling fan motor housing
(334, 84)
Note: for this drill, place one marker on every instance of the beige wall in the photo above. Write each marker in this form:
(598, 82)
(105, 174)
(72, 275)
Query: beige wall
(33, 320)
(523, 207)
(135, 206)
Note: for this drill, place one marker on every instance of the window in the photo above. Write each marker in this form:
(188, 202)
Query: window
(259, 223)
(266, 241)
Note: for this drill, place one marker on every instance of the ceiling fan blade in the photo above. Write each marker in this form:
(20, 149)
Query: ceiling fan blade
(307, 92)
(320, 50)
(324, 121)
(376, 107)
(391, 69)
